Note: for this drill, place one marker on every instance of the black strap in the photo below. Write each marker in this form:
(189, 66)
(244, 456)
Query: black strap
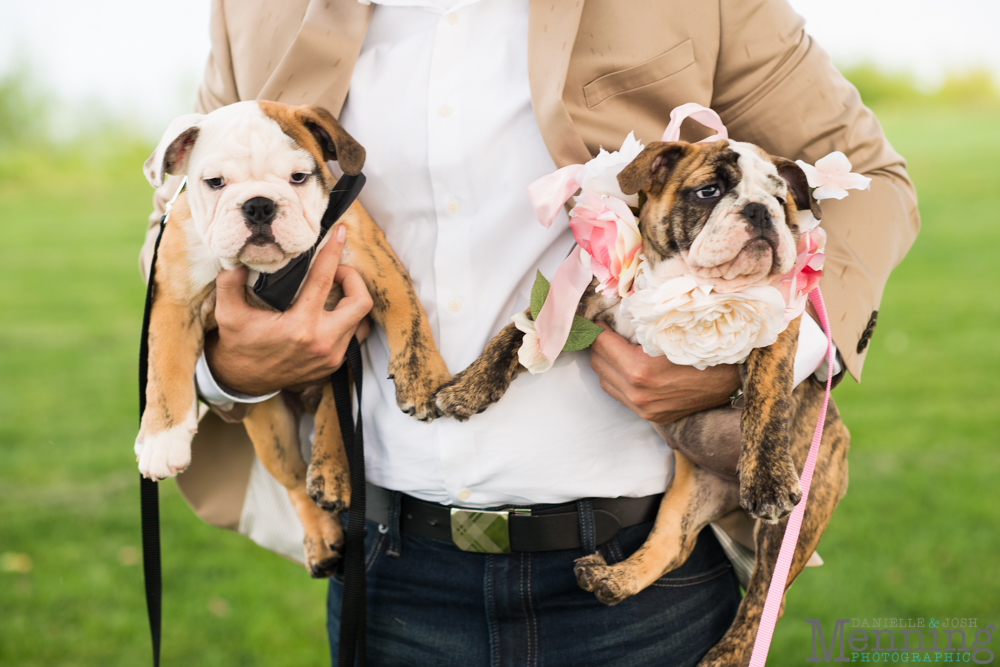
(149, 500)
(353, 605)
(278, 289)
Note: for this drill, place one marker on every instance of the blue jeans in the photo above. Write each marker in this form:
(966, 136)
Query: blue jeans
(431, 604)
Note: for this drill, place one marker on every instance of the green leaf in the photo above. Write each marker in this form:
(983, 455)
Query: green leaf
(539, 291)
(582, 334)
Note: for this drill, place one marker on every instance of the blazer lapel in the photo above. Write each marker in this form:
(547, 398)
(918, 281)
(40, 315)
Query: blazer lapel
(318, 65)
(552, 28)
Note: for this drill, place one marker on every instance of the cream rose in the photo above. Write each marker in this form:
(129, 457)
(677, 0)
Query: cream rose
(694, 326)
(530, 354)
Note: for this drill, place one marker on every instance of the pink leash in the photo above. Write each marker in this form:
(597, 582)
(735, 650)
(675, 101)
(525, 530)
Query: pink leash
(769, 617)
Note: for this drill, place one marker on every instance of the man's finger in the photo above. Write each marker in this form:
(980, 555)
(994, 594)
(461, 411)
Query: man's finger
(364, 330)
(611, 381)
(322, 272)
(355, 305)
(617, 350)
(230, 291)
(610, 376)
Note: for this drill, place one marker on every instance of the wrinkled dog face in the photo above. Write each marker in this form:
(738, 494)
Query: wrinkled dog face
(257, 177)
(728, 208)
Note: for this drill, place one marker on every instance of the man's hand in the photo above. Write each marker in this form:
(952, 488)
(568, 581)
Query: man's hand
(653, 387)
(258, 351)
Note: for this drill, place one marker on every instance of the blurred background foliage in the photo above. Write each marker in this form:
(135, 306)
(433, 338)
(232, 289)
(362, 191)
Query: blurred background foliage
(915, 537)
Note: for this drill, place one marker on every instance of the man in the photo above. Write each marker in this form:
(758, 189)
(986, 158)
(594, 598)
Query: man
(460, 104)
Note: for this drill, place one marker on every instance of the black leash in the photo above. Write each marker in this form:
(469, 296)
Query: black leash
(353, 610)
(149, 500)
(278, 290)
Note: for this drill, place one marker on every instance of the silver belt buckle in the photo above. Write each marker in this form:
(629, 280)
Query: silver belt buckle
(482, 531)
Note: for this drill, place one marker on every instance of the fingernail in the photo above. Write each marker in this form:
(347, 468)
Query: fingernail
(341, 233)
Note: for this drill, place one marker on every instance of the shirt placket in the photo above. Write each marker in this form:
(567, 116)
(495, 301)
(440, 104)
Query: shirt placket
(447, 120)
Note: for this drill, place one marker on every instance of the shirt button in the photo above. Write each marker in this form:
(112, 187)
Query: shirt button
(454, 306)
(452, 207)
(453, 18)
(444, 110)
(464, 494)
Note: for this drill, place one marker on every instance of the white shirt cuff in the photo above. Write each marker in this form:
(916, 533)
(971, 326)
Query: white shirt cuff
(810, 357)
(214, 393)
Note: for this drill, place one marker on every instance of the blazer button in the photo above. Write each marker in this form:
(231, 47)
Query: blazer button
(866, 336)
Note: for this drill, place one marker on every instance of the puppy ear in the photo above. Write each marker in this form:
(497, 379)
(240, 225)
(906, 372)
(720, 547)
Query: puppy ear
(333, 139)
(172, 153)
(650, 168)
(798, 185)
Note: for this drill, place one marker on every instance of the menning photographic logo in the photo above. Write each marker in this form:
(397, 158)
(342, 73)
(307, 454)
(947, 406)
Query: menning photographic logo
(902, 640)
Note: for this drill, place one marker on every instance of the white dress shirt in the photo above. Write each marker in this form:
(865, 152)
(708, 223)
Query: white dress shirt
(440, 100)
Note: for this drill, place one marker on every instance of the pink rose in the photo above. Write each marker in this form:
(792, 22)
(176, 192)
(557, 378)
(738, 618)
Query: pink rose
(607, 230)
(808, 269)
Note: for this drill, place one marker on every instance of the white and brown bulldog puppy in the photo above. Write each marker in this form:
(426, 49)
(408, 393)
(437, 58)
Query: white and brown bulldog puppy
(257, 188)
(729, 211)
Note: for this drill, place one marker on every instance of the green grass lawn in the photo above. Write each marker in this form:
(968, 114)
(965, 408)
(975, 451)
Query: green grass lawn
(916, 535)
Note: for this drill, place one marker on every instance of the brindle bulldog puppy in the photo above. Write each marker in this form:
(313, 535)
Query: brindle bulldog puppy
(257, 188)
(730, 210)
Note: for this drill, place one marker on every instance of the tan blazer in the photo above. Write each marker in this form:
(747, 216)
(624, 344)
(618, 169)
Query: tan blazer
(601, 68)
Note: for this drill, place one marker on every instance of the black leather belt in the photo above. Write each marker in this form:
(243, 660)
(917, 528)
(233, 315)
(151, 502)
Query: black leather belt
(510, 528)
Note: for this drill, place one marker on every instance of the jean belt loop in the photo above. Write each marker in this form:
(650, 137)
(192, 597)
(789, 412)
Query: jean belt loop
(588, 535)
(395, 546)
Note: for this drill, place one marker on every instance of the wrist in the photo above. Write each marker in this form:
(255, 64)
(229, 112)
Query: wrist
(229, 374)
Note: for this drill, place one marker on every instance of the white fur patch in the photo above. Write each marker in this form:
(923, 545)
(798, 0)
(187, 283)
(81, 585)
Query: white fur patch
(728, 250)
(162, 455)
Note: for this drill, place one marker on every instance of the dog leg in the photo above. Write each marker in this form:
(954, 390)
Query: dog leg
(769, 486)
(328, 479)
(484, 382)
(274, 432)
(415, 364)
(828, 486)
(694, 498)
(176, 337)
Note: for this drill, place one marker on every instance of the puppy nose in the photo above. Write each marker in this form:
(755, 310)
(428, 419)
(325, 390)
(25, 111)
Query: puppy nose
(757, 215)
(259, 211)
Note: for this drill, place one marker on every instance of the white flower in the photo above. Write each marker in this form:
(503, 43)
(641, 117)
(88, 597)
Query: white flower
(695, 326)
(530, 355)
(832, 177)
(600, 175)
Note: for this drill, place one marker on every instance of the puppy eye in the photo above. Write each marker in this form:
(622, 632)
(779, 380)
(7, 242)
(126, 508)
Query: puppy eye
(214, 183)
(708, 192)
(299, 178)
(781, 200)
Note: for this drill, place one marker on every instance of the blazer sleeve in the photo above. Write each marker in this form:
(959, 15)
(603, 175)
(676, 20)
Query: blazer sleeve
(217, 89)
(775, 87)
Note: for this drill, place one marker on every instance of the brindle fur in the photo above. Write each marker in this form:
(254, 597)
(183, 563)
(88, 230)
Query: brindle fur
(485, 381)
(775, 429)
(180, 318)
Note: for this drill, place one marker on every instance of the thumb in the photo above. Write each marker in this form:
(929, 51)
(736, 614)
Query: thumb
(230, 292)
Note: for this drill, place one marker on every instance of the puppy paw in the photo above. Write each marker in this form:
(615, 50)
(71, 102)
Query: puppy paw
(468, 393)
(769, 492)
(415, 385)
(328, 487)
(164, 454)
(324, 548)
(606, 582)
(733, 650)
